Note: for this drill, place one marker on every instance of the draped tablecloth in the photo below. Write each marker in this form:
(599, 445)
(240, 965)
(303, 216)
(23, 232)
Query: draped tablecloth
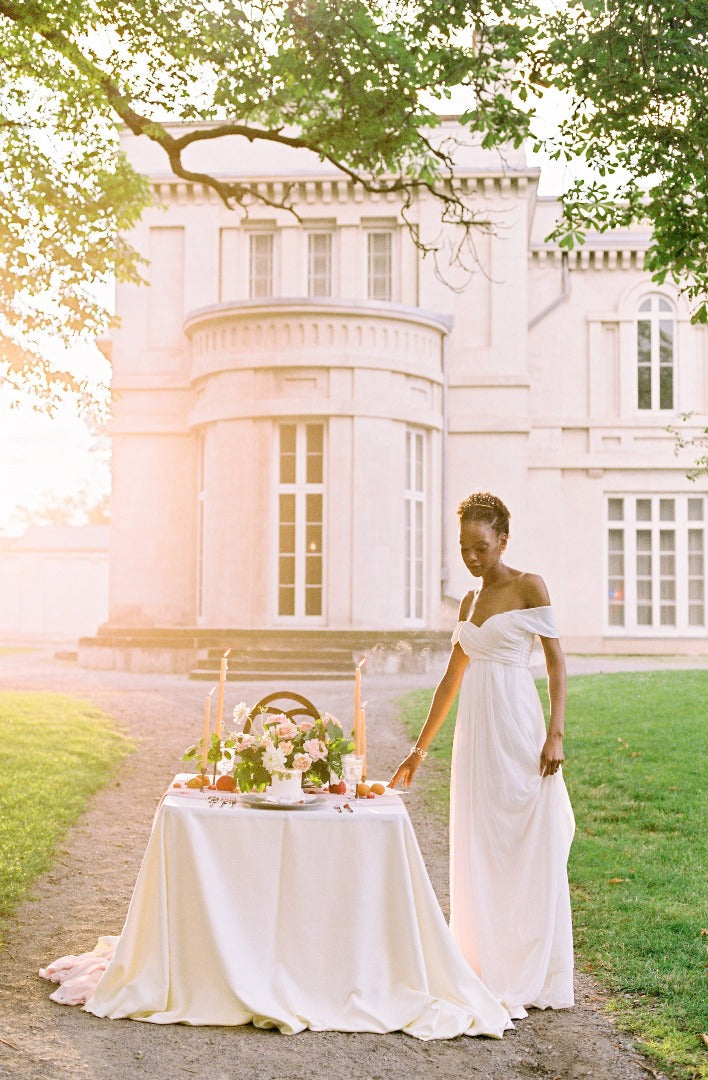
(294, 919)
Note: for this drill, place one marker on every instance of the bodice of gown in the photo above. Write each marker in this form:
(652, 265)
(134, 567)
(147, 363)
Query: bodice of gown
(506, 638)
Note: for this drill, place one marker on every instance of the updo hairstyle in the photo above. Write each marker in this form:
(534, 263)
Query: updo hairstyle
(485, 507)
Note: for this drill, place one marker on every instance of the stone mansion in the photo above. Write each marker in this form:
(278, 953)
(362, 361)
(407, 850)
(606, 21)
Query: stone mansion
(299, 406)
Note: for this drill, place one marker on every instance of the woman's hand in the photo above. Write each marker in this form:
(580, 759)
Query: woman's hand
(406, 770)
(551, 755)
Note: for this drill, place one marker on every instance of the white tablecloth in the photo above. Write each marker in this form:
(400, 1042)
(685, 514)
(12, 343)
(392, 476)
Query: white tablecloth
(294, 919)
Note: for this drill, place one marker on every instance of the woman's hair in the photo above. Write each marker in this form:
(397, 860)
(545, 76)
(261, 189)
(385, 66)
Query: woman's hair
(485, 507)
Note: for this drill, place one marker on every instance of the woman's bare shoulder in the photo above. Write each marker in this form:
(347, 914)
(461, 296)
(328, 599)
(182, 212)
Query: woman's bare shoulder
(466, 604)
(532, 589)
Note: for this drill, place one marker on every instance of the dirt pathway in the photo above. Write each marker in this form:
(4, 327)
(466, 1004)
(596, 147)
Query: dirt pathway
(87, 891)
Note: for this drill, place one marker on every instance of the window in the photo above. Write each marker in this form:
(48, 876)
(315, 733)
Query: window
(300, 519)
(319, 264)
(200, 527)
(379, 265)
(655, 354)
(260, 275)
(656, 556)
(414, 597)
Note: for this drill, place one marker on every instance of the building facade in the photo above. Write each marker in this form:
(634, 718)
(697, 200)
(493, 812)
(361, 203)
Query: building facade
(301, 402)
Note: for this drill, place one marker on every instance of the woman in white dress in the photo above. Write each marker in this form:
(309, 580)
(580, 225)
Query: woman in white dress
(511, 823)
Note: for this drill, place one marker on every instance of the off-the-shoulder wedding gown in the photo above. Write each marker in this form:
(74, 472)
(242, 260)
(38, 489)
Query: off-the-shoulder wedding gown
(511, 829)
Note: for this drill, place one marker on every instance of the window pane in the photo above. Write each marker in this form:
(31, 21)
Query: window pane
(313, 600)
(668, 616)
(314, 438)
(616, 615)
(615, 509)
(644, 615)
(644, 387)
(313, 538)
(696, 615)
(319, 264)
(261, 264)
(286, 601)
(645, 305)
(643, 509)
(666, 341)
(664, 305)
(314, 509)
(643, 564)
(616, 538)
(644, 590)
(287, 539)
(667, 540)
(668, 589)
(695, 509)
(695, 589)
(419, 463)
(616, 565)
(666, 387)
(379, 265)
(287, 569)
(313, 570)
(644, 341)
(667, 509)
(643, 540)
(287, 454)
(287, 509)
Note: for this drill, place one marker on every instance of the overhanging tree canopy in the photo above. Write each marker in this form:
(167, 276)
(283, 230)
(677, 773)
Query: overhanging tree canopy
(350, 80)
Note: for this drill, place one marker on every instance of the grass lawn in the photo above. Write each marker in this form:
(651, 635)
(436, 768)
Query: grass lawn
(636, 752)
(58, 751)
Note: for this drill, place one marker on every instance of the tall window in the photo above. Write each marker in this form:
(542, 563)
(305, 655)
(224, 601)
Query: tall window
(414, 599)
(379, 265)
(300, 520)
(319, 264)
(200, 527)
(656, 558)
(655, 354)
(260, 276)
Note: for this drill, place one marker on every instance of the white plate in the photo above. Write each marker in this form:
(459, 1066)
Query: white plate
(388, 791)
(259, 800)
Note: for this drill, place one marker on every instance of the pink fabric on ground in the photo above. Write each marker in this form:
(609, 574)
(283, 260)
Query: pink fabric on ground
(78, 976)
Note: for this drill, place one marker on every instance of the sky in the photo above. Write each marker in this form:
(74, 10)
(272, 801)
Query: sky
(41, 455)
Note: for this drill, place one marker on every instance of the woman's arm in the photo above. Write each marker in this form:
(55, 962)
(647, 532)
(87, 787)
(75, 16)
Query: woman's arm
(552, 750)
(535, 594)
(441, 704)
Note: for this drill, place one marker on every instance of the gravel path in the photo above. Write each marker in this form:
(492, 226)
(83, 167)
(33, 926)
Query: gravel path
(87, 891)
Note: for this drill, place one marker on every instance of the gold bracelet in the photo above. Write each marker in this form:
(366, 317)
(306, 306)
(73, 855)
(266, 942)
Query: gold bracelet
(422, 754)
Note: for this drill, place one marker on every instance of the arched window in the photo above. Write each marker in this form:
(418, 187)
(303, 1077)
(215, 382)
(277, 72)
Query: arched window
(656, 327)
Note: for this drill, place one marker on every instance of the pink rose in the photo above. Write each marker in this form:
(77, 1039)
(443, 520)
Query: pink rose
(306, 725)
(302, 762)
(316, 749)
(287, 730)
(286, 747)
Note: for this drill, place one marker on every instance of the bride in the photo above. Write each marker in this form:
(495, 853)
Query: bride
(511, 823)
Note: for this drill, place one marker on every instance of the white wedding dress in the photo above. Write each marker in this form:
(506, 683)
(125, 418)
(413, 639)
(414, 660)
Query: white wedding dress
(510, 829)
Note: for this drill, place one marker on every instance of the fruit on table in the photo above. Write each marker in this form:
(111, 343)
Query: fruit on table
(378, 789)
(226, 783)
(362, 790)
(198, 782)
(338, 789)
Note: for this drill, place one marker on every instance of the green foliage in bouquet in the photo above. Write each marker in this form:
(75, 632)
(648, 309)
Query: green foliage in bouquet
(314, 747)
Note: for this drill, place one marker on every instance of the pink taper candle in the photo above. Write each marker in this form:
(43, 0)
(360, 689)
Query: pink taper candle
(220, 699)
(206, 733)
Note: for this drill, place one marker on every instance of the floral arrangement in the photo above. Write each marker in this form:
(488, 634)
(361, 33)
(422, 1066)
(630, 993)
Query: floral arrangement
(313, 747)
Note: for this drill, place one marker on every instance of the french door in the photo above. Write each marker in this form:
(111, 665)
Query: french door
(300, 580)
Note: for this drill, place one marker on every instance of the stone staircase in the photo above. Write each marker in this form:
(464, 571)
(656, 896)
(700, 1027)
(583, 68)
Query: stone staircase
(262, 655)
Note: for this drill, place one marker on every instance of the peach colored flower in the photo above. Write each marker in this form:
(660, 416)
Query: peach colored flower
(302, 762)
(286, 730)
(316, 749)
(286, 747)
(306, 725)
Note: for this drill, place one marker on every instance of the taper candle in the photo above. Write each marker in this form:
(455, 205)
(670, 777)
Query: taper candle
(220, 699)
(206, 732)
(362, 738)
(357, 705)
